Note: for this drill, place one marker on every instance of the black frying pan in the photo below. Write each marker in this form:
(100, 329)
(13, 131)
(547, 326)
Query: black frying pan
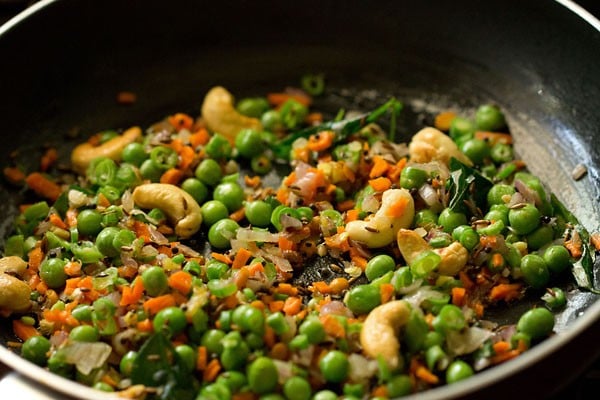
(62, 65)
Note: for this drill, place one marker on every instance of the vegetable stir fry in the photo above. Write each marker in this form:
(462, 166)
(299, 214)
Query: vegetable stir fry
(166, 268)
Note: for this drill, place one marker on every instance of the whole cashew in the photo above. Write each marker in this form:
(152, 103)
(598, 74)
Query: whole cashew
(431, 144)
(381, 229)
(14, 294)
(85, 153)
(179, 207)
(379, 333)
(220, 115)
(12, 264)
(453, 257)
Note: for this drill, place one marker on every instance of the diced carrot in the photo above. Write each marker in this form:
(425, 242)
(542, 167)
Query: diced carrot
(386, 292)
(466, 281)
(426, 375)
(398, 208)
(443, 120)
(359, 261)
(286, 288)
(181, 121)
(574, 245)
(282, 195)
(172, 176)
(145, 325)
(499, 358)
(379, 168)
(126, 98)
(314, 118)
(14, 175)
(48, 159)
(277, 99)
(71, 284)
(186, 157)
(41, 287)
(333, 327)
(181, 281)
(253, 181)
(109, 380)
(244, 396)
(478, 307)
(199, 138)
(102, 200)
(279, 351)
(380, 391)
(132, 294)
(71, 218)
(292, 305)
(43, 186)
(24, 331)
(595, 240)
(212, 370)
(156, 304)
(57, 221)
(141, 231)
(320, 287)
(395, 171)
(36, 255)
(221, 257)
(241, 277)
(346, 205)
(494, 137)
(501, 347)
(459, 296)
(321, 140)
(506, 291)
(276, 305)
(285, 243)
(238, 215)
(290, 179)
(352, 215)
(255, 268)
(202, 358)
(490, 241)
(380, 184)
(241, 258)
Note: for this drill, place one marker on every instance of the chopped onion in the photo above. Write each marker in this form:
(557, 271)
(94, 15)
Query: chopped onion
(421, 294)
(466, 341)
(156, 236)
(361, 368)
(370, 204)
(274, 255)
(86, 356)
(530, 195)
(336, 307)
(250, 235)
(284, 370)
(431, 197)
(288, 222)
(127, 201)
(78, 199)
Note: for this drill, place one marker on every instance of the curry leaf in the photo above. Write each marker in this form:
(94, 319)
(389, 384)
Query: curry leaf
(152, 365)
(468, 188)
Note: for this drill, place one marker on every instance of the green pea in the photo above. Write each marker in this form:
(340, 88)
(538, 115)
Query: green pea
(52, 272)
(134, 153)
(450, 318)
(334, 366)
(123, 238)
(557, 258)
(216, 270)
(363, 298)
(489, 118)
(555, 298)
(540, 237)
(215, 391)
(258, 213)
(425, 263)
(466, 235)
(249, 143)
(84, 333)
(434, 355)
(399, 385)
(477, 150)
(433, 338)
(457, 371)
(520, 337)
(209, 172)
(426, 218)
(252, 106)
(402, 278)
(218, 147)
(213, 211)
(278, 323)
(262, 375)
(221, 232)
(461, 129)
(379, 266)
(212, 340)
(127, 176)
(171, 320)
(261, 164)
(412, 177)
(271, 120)
(150, 171)
(449, 220)
(498, 192)
(325, 395)
(111, 216)
(127, 361)
(35, 349)
(104, 241)
(501, 153)
(82, 312)
(497, 213)
(196, 189)
(535, 271)
(164, 157)
(313, 329)
(89, 222)
(249, 318)
(537, 323)
(234, 380)
(187, 355)
(354, 389)
(525, 219)
(297, 388)
(231, 194)
(155, 281)
(292, 113)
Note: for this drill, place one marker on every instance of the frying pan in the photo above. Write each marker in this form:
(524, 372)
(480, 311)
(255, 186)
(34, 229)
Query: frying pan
(63, 62)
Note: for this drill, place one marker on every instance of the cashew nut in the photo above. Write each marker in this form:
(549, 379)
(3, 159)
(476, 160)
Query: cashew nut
(14, 294)
(381, 229)
(220, 115)
(379, 333)
(179, 207)
(431, 144)
(12, 264)
(453, 257)
(85, 153)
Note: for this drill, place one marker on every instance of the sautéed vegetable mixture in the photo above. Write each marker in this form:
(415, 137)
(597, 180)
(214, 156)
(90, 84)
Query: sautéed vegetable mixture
(165, 267)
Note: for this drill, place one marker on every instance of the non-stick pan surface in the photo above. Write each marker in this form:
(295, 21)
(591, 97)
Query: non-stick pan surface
(62, 66)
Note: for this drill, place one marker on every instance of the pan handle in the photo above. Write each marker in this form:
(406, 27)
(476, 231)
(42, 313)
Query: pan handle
(16, 386)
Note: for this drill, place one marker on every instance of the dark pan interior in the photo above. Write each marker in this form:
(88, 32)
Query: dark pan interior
(63, 66)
